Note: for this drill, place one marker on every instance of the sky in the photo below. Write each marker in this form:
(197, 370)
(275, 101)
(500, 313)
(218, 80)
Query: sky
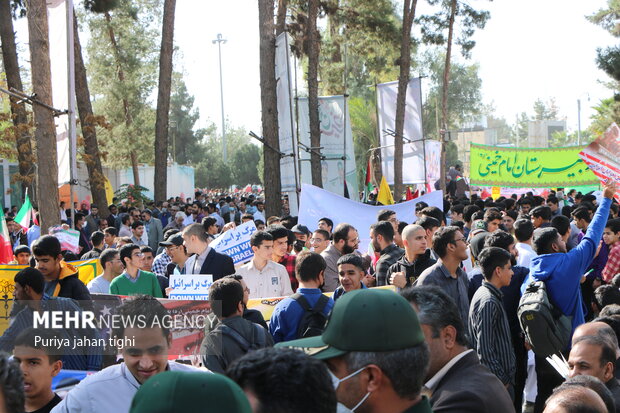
(529, 49)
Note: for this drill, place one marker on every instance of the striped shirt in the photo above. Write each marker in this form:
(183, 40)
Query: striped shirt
(490, 334)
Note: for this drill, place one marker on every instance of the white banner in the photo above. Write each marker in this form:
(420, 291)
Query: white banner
(236, 243)
(333, 134)
(413, 153)
(433, 160)
(190, 286)
(286, 124)
(57, 21)
(317, 203)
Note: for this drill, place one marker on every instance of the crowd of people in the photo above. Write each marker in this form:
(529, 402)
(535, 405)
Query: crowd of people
(442, 334)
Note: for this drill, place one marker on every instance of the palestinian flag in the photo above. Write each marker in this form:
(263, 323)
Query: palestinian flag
(24, 214)
(368, 186)
(6, 252)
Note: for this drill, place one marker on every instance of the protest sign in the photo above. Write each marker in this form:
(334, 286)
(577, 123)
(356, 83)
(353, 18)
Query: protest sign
(69, 239)
(190, 286)
(236, 243)
(317, 203)
(532, 168)
(603, 156)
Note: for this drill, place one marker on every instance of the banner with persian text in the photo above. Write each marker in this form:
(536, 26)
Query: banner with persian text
(603, 156)
(525, 167)
(337, 143)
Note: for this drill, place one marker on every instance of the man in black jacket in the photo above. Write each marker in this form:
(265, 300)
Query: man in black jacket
(415, 260)
(234, 336)
(466, 386)
(206, 260)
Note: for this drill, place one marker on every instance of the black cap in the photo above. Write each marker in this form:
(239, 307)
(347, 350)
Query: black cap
(175, 239)
(301, 229)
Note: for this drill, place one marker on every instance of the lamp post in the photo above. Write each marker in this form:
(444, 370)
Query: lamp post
(219, 40)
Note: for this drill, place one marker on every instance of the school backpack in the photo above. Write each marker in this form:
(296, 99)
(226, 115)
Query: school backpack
(313, 320)
(244, 344)
(546, 328)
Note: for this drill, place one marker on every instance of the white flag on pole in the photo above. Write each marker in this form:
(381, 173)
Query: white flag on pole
(413, 153)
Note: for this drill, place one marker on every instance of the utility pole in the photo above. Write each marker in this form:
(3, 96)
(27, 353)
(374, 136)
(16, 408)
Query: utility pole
(219, 40)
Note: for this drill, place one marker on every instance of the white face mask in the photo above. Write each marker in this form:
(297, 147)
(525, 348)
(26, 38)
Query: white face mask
(336, 382)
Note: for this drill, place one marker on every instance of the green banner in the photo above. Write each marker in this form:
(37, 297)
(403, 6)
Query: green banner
(524, 167)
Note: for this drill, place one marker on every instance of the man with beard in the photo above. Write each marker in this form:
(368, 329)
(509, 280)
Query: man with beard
(345, 241)
(382, 240)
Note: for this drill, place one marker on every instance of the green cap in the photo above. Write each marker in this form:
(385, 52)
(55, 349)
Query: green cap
(185, 391)
(366, 320)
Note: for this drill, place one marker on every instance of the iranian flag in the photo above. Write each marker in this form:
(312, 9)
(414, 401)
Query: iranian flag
(24, 214)
(6, 252)
(368, 186)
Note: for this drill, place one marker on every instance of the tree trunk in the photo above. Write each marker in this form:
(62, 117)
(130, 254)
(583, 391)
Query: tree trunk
(121, 77)
(13, 79)
(401, 100)
(444, 99)
(89, 132)
(163, 102)
(269, 106)
(312, 38)
(45, 130)
(281, 18)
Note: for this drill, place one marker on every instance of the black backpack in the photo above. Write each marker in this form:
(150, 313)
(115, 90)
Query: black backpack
(545, 327)
(313, 321)
(245, 345)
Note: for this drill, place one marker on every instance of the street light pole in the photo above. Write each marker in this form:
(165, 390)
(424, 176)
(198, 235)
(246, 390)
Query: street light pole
(219, 40)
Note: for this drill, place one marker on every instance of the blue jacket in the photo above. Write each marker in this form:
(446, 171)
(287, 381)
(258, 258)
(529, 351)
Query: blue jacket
(288, 313)
(562, 272)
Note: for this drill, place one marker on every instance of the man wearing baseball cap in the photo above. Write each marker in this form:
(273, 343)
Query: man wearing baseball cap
(374, 348)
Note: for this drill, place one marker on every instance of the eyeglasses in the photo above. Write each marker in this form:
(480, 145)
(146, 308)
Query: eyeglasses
(461, 239)
(140, 255)
(317, 240)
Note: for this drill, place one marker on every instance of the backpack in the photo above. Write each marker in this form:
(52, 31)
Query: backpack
(313, 320)
(244, 344)
(546, 328)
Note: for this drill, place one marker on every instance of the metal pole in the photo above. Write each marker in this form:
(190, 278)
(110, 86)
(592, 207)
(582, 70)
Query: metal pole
(71, 101)
(578, 121)
(219, 42)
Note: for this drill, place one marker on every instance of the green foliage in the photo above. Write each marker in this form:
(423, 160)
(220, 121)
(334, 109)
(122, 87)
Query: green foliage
(564, 139)
(245, 161)
(370, 30)
(607, 112)
(545, 111)
(467, 19)
(134, 194)
(608, 60)
(464, 92)
(188, 147)
(364, 128)
(136, 28)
